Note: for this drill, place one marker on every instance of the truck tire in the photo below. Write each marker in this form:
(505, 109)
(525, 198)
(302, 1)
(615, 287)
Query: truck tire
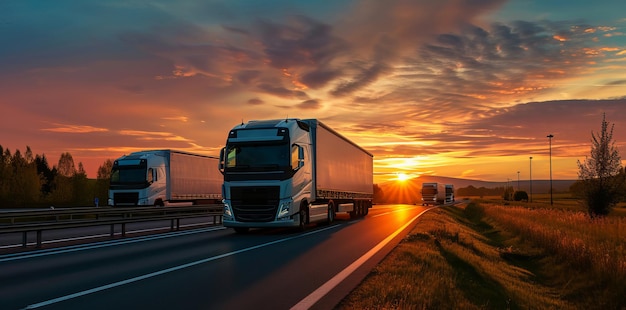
(159, 203)
(304, 217)
(356, 206)
(331, 212)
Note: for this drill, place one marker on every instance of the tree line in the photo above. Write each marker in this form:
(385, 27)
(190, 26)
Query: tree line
(28, 180)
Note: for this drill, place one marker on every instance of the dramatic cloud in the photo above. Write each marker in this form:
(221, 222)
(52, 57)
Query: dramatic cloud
(456, 88)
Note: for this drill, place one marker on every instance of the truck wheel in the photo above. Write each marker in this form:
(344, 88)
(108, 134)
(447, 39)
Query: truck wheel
(355, 209)
(331, 212)
(159, 203)
(304, 217)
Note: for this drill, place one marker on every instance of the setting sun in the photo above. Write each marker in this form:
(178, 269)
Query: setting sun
(402, 177)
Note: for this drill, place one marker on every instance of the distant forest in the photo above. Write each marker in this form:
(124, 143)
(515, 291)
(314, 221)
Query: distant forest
(27, 180)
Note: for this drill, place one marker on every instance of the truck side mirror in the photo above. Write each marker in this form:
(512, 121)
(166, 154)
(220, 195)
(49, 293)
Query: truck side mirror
(221, 162)
(297, 157)
(300, 157)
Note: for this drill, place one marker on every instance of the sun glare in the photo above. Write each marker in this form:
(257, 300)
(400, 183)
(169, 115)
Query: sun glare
(402, 177)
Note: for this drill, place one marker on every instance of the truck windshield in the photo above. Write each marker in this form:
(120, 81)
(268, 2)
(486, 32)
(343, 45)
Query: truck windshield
(429, 190)
(128, 175)
(258, 157)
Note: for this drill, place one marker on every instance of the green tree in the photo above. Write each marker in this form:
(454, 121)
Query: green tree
(66, 165)
(83, 194)
(103, 180)
(63, 192)
(600, 173)
(4, 174)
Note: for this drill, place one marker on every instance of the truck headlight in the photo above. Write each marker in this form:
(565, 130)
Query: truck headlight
(228, 212)
(284, 208)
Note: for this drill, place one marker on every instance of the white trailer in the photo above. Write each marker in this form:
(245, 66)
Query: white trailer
(164, 177)
(291, 172)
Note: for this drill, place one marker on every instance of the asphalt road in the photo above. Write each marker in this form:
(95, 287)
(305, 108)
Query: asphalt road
(208, 268)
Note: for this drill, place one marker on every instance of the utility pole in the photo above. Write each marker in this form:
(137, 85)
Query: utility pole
(550, 136)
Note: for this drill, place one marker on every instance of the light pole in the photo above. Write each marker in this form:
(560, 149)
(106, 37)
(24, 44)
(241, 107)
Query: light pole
(518, 181)
(530, 175)
(550, 136)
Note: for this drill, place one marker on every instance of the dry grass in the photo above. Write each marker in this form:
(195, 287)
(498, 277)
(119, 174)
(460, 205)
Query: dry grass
(444, 263)
(589, 253)
(501, 257)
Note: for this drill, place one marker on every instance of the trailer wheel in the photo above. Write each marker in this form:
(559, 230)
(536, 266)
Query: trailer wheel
(353, 213)
(356, 209)
(331, 212)
(304, 217)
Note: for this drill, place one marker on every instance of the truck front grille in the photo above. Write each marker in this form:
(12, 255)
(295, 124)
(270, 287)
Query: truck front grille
(129, 198)
(255, 204)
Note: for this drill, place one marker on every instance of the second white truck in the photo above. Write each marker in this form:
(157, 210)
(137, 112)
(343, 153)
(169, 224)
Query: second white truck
(291, 172)
(164, 177)
(437, 193)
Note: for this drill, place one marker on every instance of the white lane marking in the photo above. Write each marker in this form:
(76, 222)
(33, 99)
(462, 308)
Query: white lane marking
(320, 292)
(10, 246)
(172, 269)
(83, 247)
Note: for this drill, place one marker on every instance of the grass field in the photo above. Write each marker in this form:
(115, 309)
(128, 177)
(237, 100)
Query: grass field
(489, 256)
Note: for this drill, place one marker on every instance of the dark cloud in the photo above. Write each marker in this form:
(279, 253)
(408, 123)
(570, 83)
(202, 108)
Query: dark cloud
(367, 77)
(247, 76)
(255, 101)
(302, 43)
(311, 104)
(282, 92)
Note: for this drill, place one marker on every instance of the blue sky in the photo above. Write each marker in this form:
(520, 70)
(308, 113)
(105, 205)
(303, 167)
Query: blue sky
(452, 88)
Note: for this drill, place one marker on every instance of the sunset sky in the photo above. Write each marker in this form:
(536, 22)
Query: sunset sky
(466, 89)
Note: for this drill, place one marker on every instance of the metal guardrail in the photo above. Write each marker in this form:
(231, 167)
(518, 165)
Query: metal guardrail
(39, 221)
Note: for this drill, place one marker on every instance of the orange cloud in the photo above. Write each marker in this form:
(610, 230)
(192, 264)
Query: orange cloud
(65, 128)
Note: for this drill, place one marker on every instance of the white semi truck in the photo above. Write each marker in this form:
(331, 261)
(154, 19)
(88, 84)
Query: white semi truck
(164, 177)
(291, 172)
(437, 193)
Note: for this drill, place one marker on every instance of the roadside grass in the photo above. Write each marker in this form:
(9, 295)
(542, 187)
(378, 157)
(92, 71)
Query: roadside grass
(475, 256)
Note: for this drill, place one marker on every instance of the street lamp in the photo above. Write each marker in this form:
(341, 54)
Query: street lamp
(518, 181)
(530, 175)
(550, 136)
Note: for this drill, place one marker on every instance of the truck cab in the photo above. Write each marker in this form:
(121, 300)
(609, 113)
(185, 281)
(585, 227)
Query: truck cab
(138, 179)
(267, 174)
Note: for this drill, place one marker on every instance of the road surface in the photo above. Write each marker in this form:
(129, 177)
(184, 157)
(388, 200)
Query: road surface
(208, 268)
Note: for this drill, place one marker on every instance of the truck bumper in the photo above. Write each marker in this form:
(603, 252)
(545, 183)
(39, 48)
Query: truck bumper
(273, 224)
(284, 219)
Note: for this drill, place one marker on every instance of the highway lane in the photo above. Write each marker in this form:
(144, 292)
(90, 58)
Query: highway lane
(211, 268)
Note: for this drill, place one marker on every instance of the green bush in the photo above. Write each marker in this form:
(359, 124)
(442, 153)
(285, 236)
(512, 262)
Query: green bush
(520, 196)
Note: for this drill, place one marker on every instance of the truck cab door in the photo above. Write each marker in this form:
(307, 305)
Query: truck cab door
(301, 171)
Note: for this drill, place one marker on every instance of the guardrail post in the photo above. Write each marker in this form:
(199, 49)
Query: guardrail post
(112, 230)
(24, 239)
(123, 229)
(38, 238)
(171, 224)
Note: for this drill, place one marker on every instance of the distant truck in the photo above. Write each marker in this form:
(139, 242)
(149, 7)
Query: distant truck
(291, 172)
(437, 193)
(164, 177)
(449, 193)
